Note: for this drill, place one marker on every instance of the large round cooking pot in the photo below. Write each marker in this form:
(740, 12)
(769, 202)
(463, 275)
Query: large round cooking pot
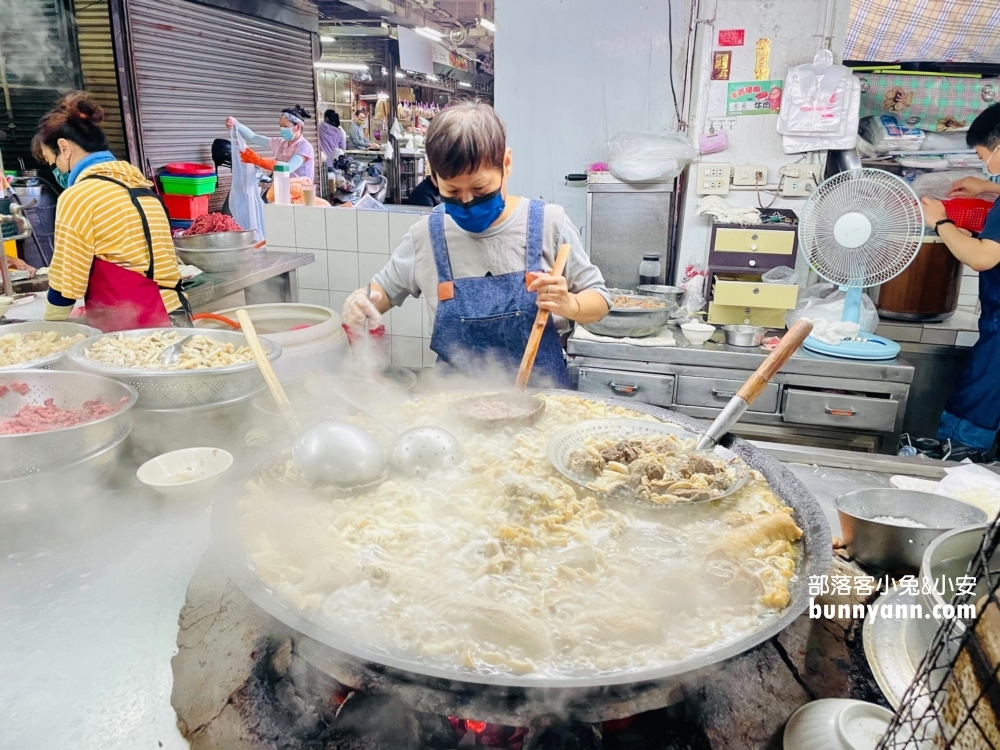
(927, 290)
(511, 698)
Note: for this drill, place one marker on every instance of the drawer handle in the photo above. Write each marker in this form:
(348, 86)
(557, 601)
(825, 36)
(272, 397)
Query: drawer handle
(840, 412)
(723, 394)
(624, 390)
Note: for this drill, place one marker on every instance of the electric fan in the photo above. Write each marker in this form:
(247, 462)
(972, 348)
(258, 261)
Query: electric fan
(860, 228)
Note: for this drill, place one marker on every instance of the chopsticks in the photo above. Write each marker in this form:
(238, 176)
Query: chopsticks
(541, 319)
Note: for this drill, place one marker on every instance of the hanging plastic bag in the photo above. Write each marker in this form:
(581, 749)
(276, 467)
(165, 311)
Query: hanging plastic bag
(389, 151)
(245, 203)
(647, 157)
(779, 275)
(826, 301)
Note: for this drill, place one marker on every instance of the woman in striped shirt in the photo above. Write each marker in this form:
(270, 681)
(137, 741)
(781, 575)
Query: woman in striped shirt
(112, 242)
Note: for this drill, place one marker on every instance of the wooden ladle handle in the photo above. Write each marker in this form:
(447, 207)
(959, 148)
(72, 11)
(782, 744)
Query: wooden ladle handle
(541, 320)
(270, 376)
(790, 344)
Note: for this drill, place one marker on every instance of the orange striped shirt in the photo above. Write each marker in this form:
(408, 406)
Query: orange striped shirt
(96, 219)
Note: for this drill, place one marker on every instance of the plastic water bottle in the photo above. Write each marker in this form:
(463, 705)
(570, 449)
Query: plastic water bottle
(282, 185)
(649, 269)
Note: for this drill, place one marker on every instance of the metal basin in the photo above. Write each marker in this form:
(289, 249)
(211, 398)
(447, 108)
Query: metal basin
(671, 293)
(23, 455)
(748, 336)
(633, 322)
(892, 547)
(52, 360)
(216, 241)
(596, 696)
(221, 260)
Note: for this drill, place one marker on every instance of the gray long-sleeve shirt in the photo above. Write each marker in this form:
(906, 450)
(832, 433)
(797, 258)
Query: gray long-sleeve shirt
(411, 270)
(356, 137)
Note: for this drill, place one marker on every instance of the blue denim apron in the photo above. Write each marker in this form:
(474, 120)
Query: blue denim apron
(483, 323)
(972, 415)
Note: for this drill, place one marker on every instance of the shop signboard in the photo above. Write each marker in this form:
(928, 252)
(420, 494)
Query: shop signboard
(753, 98)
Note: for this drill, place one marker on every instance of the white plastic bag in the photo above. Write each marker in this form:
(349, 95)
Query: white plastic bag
(245, 203)
(826, 301)
(887, 134)
(937, 185)
(648, 157)
(779, 275)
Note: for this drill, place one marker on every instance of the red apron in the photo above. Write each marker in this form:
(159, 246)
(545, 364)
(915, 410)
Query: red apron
(119, 299)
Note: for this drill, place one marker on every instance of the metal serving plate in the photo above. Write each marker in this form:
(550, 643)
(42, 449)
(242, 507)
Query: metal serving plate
(568, 440)
(52, 360)
(509, 691)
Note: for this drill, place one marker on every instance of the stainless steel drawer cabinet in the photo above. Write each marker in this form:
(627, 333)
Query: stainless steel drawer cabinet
(710, 392)
(657, 390)
(839, 410)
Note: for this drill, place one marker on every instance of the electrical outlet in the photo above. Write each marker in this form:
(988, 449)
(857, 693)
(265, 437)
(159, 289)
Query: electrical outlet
(750, 175)
(713, 178)
(798, 180)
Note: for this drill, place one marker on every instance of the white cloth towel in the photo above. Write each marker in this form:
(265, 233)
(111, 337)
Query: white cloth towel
(833, 332)
(663, 338)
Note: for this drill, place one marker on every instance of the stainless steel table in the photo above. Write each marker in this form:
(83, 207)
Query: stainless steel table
(815, 399)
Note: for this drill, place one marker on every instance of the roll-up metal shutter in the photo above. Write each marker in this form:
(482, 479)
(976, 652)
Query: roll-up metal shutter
(194, 64)
(97, 64)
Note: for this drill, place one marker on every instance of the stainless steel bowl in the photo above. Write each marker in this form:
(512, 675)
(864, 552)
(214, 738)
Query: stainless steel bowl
(52, 360)
(892, 547)
(672, 293)
(36, 452)
(218, 260)
(743, 335)
(182, 389)
(216, 241)
(633, 322)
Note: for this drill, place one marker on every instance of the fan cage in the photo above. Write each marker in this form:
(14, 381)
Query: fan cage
(897, 227)
(953, 702)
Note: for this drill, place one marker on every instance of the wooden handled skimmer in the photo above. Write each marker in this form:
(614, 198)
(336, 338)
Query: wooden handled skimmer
(541, 320)
(755, 385)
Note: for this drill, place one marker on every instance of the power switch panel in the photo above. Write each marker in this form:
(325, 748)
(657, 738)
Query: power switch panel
(713, 178)
(750, 175)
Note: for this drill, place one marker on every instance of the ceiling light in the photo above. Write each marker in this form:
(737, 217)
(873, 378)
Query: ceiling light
(327, 39)
(465, 85)
(340, 66)
(430, 33)
(400, 74)
(488, 25)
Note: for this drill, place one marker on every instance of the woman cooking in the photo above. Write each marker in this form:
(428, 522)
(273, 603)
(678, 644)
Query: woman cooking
(112, 236)
(971, 416)
(290, 147)
(482, 264)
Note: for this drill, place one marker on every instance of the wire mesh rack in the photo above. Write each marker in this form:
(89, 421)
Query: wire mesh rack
(954, 700)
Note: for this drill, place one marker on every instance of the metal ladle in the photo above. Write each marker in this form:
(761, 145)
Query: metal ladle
(172, 354)
(330, 452)
(417, 451)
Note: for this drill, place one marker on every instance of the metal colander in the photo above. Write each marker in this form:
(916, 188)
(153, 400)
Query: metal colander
(22, 455)
(52, 360)
(183, 389)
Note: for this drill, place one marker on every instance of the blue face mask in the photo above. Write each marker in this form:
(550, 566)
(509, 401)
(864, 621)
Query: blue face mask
(478, 214)
(287, 133)
(61, 177)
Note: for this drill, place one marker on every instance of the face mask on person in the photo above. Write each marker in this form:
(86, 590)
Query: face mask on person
(478, 214)
(986, 165)
(62, 178)
(287, 133)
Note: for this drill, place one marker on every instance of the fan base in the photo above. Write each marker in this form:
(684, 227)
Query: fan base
(872, 347)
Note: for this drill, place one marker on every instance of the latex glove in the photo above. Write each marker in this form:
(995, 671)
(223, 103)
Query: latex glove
(54, 312)
(358, 306)
(249, 156)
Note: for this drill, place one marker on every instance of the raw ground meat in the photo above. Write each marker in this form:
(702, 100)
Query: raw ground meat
(213, 223)
(47, 416)
(18, 388)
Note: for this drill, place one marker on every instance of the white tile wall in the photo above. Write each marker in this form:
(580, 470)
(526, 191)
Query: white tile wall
(970, 285)
(966, 338)
(350, 247)
(310, 227)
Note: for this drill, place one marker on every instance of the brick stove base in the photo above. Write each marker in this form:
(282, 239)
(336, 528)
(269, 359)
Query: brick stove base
(240, 684)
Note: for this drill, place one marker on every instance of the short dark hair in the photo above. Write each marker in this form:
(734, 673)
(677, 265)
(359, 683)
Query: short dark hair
(297, 111)
(465, 137)
(985, 129)
(76, 118)
(358, 112)
(332, 117)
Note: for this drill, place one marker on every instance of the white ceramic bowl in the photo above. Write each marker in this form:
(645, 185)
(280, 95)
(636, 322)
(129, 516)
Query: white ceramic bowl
(697, 333)
(185, 472)
(836, 724)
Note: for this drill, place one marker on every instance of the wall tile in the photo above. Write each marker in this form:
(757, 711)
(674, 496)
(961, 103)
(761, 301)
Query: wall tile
(407, 319)
(966, 338)
(369, 264)
(343, 271)
(337, 300)
(373, 232)
(275, 249)
(427, 321)
(387, 322)
(970, 285)
(430, 358)
(342, 229)
(279, 225)
(407, 351)
(969, 272)
(399, 225)
(314, 275)
(967, 300)
(310, 227)
(314, 297)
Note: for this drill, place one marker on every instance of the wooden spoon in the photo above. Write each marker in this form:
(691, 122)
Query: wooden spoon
(541, 320)
(270, 377)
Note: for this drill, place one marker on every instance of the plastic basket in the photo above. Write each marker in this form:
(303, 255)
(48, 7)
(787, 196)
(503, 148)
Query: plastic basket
(968, 213)
(185, 207)
(189, 169)
(174, 185)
